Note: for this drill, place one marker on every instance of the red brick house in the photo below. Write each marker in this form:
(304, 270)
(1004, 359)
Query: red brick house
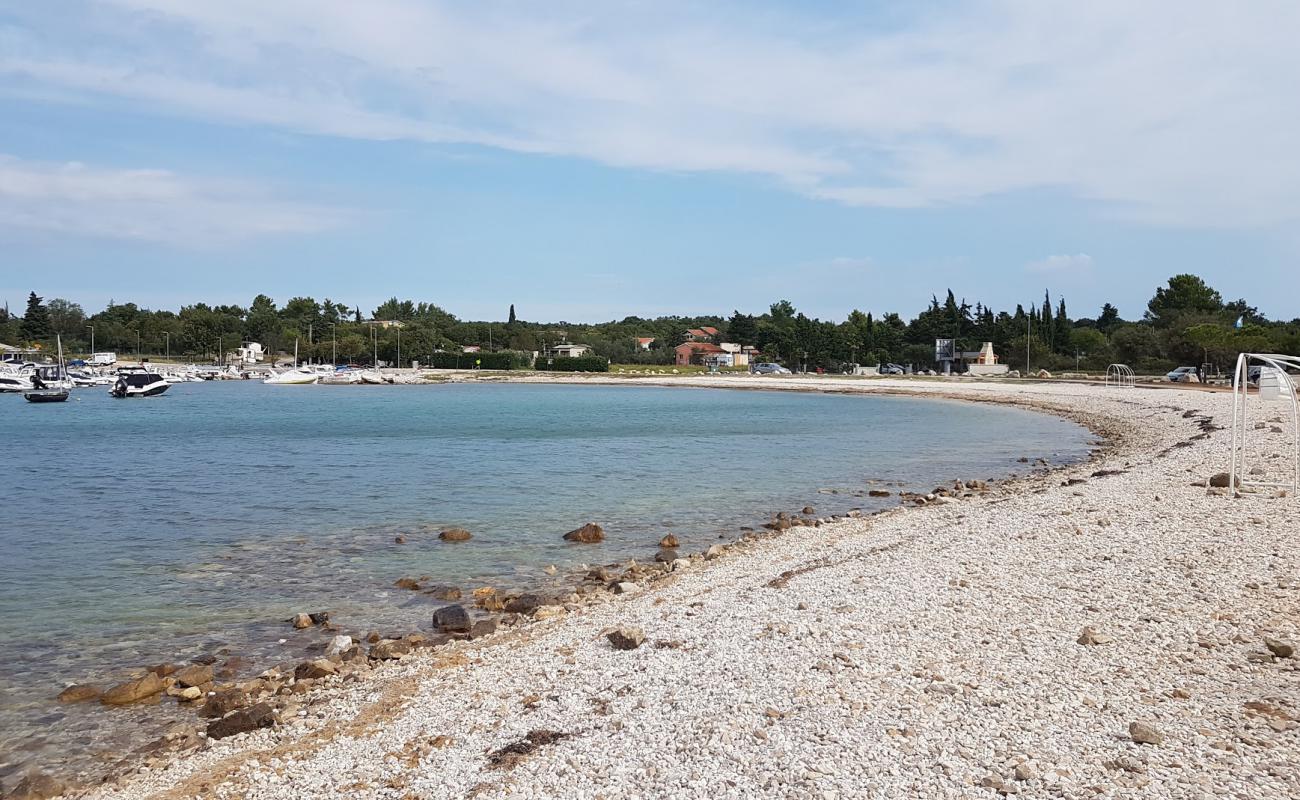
(695, 352)
(702, 334)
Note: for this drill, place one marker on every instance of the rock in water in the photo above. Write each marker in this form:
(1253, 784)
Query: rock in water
(444, 592)
(133, 691)
(301, 621)
(194, 675)
(669, 541)
(524, 604)
(1279, 648)
(413, 584)
(339, 645)
(809, 511)
(626, 638)
(455, 535)
(453, 619)
(587, 534)
(78, 693)
(666, 555)
(36, 786)
(249, 719)
(1145, 733)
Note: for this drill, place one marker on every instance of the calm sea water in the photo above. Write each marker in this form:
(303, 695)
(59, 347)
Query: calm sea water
(149, 530)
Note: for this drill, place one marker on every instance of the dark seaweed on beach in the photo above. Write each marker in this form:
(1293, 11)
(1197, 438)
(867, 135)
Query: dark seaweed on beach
(510, 755)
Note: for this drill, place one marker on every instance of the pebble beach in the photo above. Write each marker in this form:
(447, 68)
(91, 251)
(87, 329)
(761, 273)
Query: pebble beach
(1117, 628)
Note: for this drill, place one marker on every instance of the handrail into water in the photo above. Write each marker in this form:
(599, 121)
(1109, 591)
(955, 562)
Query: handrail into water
(1120, 375)
(1274, 381)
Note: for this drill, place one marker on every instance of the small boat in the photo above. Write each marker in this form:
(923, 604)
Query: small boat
(138, 382)
(56, 391)
(373, 376)
(342, 377)
(299, 375)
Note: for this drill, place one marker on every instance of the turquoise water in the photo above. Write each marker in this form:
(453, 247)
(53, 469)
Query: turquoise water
(142, 531)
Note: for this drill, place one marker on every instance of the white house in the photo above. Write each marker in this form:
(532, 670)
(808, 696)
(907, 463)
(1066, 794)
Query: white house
(248, 354)
(567, 350)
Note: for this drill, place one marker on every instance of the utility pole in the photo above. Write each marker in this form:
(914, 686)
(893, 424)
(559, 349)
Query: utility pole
(168, 334)
(399, 348)
(1027, 328)
(334, 341)
(92, 338)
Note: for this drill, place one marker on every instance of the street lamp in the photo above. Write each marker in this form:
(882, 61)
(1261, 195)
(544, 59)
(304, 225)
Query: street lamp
(137, 344)
(334, 341)
(168, 334)
(399, 348)
(92, 338)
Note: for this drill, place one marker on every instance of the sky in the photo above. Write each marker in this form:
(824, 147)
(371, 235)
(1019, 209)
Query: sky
(590, 161)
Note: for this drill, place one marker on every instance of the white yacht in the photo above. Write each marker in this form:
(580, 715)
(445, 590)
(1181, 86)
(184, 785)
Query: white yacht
(297, 375)
(138, 382)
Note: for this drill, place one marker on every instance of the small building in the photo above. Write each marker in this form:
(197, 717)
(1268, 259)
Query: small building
(644, 342)
(567, 350)
(703, 333)
(471, 348)
(984, 362)
(385, 323)
(738, 355)
(698, 353)
(247, 354)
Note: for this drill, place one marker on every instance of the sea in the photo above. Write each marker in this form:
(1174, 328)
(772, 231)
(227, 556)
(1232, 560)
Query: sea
(194, 524)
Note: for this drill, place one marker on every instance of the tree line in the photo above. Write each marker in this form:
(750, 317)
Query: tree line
(1185, 322)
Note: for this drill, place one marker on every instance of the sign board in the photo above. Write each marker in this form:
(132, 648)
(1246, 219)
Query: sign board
(945, 349)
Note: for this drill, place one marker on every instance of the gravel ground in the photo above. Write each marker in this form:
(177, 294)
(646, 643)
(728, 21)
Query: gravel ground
(925, 652)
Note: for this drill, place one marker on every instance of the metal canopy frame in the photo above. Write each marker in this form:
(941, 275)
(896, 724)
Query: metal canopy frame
(1120, 375)
(1275, 383)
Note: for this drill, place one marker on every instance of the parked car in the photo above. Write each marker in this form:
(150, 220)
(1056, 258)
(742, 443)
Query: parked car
(769, 369)
(892, 369)
(1180, 375)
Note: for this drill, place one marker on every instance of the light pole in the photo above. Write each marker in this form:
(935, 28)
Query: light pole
(168, 334)
(92, 338)
(1028, 319)
(399, 348)
(334, 341)
(137, 344)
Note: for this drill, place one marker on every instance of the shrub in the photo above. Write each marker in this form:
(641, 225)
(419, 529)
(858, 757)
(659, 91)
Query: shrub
(582, 364)
(506, 359)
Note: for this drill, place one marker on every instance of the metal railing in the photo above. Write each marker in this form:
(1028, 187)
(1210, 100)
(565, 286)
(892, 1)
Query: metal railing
(1274, 385)
(1120, 375)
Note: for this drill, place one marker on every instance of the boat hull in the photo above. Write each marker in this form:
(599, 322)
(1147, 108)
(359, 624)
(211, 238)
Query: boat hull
(46, 396)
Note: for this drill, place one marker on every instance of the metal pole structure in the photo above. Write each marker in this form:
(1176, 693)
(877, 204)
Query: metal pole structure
(399, 348)
(334, 341)
(92, 338)
(1028, 326)
(374, 338)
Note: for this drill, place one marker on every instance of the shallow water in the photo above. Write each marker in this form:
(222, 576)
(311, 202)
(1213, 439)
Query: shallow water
(150, 530)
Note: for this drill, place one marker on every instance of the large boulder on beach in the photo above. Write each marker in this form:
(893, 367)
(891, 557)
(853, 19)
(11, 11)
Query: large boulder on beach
(455, 535)
(1222, 480)
(194, 675)
(243, 721)
(590, 533)
(626, 638)
(452, 619)
(222, 703)
(133, 691)
(525, 603)
(390, 649)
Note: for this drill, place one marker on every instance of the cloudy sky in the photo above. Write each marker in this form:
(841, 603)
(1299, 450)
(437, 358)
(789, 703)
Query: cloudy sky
(587, 161)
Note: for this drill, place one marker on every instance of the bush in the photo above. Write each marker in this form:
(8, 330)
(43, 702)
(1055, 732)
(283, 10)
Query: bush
(506, 359)
(583, 364)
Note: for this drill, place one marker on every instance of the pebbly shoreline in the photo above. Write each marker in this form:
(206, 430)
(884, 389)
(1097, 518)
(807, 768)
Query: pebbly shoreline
(927, 650)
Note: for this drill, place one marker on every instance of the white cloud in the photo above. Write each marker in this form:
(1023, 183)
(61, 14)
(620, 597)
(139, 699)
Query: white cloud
(1062, 264)
(146, 204)
(1166, 113)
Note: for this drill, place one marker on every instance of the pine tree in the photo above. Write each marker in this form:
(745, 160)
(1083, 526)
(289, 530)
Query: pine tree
(1047, 331)
(1062, 326)
(36, 322)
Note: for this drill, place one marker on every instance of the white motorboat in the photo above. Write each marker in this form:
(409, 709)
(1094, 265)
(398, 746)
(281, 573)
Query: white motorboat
(138, 382)
(296, 376)
(372, 376)
(13, 379)
(342, 377)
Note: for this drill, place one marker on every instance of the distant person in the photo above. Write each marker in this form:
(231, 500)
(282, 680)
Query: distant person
(37, 383)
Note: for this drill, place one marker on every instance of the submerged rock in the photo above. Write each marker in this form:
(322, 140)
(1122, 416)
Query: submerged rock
(455, 535)
(194, 675)
(444, 592)
(78, 693)
(587, 534)
(36, 786)
(669, 541)
(412, 584)
(301, 621)
(133, 691)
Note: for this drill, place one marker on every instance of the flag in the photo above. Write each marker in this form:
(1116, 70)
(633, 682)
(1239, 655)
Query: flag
(1240, 321)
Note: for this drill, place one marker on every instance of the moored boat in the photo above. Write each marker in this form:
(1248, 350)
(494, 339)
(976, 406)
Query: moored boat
(138, 382)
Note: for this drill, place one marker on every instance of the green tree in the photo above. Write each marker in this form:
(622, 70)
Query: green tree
(1108, 319)
(742, 328)
(1184, 294)
(36, 320)
(66, 318)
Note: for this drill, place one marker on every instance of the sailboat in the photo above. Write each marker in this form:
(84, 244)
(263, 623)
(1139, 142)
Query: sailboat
(297, 375)
(56, 391)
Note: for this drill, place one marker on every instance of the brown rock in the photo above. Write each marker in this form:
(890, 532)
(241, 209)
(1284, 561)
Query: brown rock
(483, 627)
(133, 691)
(809, 511)
(878, 493)
(194, 675)
(626, 638)
(1222, 480)
(390, 649)
(1145, 733)
(453, 619)
(243, 721)
(301, 621)
(1279, 648)
(666, 555)
(444, 592)
(587, 534)
(320, 668)
(317, 618)
(222, 703)
(408, 583)
(455, 535)
(400, 539)
(524, 603)
(78, 693)
(163, 670)
(1090, 636)
(669, 541)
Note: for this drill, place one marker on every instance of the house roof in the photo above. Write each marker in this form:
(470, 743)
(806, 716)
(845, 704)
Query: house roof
(703, 331)
(645, 339)
(700, 347)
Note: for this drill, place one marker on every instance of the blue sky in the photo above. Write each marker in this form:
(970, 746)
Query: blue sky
(590, 161)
